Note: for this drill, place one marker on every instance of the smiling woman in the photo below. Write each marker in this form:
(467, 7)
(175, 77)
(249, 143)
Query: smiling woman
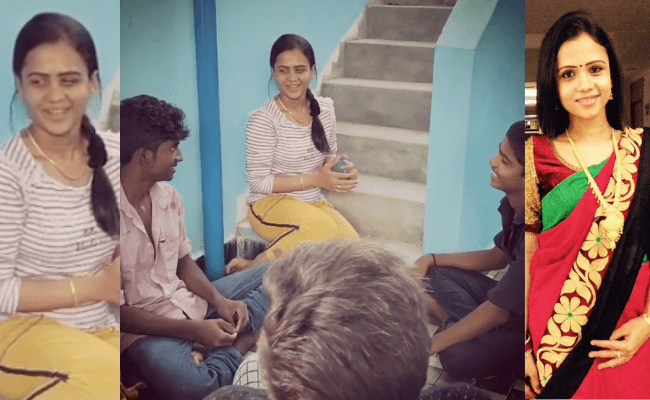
(587, 185)
(290, 156)
(59, 255)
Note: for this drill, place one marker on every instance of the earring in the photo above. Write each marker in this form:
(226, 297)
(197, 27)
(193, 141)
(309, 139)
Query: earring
(556, 107)
(611, 96)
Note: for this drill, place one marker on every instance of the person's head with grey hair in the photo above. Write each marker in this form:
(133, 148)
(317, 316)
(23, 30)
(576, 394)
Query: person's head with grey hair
(345, 322)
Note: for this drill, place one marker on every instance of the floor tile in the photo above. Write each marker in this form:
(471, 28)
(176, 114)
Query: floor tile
(432, 375)
(434, 361)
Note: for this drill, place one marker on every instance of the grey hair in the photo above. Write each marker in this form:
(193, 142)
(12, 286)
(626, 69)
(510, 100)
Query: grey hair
(345, 321)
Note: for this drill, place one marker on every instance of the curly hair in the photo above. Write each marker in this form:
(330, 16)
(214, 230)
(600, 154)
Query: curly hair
(146, 122)
(517, 138)
(345, 321)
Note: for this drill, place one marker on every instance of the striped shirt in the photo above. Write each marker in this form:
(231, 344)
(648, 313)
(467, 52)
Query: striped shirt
(47, 230)
(277, 146)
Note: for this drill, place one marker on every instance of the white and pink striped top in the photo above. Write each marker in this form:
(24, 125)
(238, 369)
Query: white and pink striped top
(47, 230)
(277, 146)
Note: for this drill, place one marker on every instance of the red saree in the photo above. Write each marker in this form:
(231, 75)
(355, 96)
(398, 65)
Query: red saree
(569, 269)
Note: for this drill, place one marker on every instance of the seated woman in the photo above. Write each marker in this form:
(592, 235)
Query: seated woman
(290, 153)
(59, 254)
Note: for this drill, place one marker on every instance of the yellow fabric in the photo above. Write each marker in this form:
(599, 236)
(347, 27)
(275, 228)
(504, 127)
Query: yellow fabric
(88, 363)
(286, 222)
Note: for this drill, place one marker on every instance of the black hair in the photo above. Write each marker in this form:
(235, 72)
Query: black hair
(517, 138)
(51, 28)
(553, 118)
(288, 42)
(146, 122)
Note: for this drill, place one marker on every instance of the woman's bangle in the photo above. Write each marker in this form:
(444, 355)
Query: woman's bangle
(435, 263)
(74, 292)
(302, 183)
(646, 318)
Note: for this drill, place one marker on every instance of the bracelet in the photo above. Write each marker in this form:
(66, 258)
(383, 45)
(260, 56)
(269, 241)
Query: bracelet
(528, 339)
(646, 318)
(302, 183)
(435, 263)
(74, 292)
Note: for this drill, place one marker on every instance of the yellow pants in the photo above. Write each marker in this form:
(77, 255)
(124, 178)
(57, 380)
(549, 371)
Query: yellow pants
(286, 222)
(44, 359)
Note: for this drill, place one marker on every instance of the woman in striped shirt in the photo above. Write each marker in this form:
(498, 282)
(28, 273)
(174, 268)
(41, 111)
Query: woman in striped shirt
(290, 153)
(59, 225)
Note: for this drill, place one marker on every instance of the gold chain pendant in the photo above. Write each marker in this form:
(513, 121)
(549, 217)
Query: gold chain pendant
(612, 226)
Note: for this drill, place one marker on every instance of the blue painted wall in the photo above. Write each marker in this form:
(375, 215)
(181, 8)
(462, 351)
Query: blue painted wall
(158, 59)
(477, 94)
(100, 17)
(246, 31)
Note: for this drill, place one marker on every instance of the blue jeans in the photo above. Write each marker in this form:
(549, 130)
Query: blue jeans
(497, 352)
(166, 365)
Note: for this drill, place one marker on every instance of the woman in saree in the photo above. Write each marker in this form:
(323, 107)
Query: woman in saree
(587, 226)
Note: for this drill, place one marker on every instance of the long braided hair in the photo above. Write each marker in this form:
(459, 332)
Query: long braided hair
(290, 41)
(52, 28)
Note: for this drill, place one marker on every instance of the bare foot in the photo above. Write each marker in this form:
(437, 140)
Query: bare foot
(197, 357)
(198, 353)
(132, 392)
(237, 264)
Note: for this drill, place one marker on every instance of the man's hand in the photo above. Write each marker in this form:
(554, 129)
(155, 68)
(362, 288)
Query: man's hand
(234, 312)
(439, 343)
(213, 333)
(421, 266)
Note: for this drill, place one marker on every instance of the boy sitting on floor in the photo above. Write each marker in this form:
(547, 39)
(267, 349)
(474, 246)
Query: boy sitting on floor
(167, 303)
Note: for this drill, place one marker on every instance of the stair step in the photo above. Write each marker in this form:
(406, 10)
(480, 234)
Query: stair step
(404, 105)
(401, 22)
(387, 152)
(390, 60)
(384, 208)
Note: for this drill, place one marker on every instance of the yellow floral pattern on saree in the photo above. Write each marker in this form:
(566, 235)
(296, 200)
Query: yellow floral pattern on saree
(578, 294)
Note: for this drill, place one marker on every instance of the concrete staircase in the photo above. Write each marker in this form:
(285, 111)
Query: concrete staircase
(381, 88)
(383, 107)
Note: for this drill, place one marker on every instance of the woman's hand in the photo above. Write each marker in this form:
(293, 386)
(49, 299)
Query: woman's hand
(634, 333)
(533, 387)
(336, 181)
(106, 282)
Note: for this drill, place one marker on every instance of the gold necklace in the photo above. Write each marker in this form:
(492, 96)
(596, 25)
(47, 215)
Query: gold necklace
(287, 110)
(72, 178)
(612, 226)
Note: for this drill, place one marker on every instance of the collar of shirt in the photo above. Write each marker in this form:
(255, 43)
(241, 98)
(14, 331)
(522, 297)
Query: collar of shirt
(159, 199)
(160, 202)
(149, 270)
